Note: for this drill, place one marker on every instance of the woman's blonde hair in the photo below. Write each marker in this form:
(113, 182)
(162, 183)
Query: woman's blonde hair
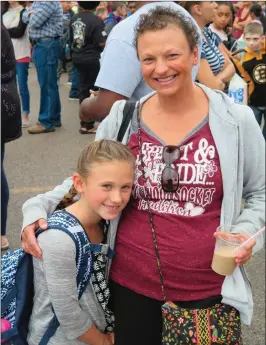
(96, 152)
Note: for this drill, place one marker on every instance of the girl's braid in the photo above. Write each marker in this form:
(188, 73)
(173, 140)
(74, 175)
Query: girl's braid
(68, 199)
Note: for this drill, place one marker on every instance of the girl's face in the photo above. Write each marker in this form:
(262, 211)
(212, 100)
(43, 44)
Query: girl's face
(166, 60)
(107, 189)
(252, 15)
(222, 16)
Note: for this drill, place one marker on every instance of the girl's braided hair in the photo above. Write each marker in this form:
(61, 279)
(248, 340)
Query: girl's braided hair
(96, 152)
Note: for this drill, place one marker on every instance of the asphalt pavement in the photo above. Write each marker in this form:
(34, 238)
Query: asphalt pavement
(36, 163)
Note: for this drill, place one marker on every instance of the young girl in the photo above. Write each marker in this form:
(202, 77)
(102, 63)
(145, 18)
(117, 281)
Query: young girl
(103, 180)
(221, 20)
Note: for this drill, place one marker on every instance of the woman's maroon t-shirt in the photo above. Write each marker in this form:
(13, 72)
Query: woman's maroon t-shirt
(184, 221)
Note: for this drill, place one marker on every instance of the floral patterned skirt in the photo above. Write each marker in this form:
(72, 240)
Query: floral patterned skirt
(219, 324)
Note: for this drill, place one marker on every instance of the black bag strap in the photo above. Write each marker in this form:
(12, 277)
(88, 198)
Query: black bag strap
(127, 116)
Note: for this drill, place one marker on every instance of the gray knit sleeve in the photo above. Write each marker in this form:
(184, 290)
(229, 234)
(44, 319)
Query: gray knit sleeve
(59, 265)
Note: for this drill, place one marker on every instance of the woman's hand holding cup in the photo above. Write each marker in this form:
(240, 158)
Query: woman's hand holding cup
(244, 254)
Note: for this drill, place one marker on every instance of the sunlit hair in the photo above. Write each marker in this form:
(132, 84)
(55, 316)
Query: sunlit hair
(97, 152)
(189, 4)
(160, 18)
(253, 27)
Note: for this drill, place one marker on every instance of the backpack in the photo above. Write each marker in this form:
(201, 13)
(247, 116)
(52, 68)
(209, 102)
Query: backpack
(17, 287)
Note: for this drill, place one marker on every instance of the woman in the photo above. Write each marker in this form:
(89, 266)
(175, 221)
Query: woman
(242, 18)
(216, 69)
(12, 19)
(256, 13)
(186, 132)
(10, 119)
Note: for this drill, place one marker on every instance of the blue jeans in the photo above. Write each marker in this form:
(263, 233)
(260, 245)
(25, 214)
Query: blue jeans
(259, 115)
(4, 193)
(22, 69)
(74, 92)
(45, 57)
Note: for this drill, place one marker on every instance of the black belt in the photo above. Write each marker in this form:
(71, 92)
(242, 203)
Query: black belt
(35, 41)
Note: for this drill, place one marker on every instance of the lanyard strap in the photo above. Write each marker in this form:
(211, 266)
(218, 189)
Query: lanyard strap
(147, 197)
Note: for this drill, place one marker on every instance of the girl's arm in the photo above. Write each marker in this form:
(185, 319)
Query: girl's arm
(236, 24)
(228, 70)
(59, 264)
(243, 24)
(18, 31)
(206, 77)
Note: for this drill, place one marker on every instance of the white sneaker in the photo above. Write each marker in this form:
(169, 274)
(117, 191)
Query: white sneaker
(25, 122)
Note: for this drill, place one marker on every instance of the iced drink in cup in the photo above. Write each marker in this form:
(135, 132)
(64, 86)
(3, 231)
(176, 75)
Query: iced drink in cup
(223, 261)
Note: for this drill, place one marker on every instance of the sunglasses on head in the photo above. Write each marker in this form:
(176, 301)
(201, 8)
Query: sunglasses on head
(170, 177)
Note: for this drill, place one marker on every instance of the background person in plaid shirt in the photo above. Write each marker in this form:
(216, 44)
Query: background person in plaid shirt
(45, 21)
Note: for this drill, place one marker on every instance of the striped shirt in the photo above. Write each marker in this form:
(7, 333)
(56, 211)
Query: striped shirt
(46, 19)
(210, 51)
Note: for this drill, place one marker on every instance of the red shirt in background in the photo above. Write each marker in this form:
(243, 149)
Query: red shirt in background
(238, 33)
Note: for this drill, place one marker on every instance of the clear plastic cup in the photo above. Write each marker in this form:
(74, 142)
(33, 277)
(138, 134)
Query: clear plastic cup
(223, 261)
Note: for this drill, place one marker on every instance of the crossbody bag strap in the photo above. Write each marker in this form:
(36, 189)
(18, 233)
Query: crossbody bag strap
(154, 237)
(127, 116)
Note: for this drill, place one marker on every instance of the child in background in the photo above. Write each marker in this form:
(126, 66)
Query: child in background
(102, 13)
(256, 13)
(103, 180)
(221, 20)
(252, 66)
(222, 24)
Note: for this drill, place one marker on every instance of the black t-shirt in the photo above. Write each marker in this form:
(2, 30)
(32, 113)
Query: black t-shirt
(86, 33)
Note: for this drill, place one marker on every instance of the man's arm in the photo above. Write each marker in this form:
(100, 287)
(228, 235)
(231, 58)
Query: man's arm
(42, 13)
(98, 107)
(228, 70)
(119, 75)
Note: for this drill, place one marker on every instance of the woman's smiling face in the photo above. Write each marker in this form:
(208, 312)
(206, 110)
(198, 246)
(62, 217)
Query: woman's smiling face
(166, 59)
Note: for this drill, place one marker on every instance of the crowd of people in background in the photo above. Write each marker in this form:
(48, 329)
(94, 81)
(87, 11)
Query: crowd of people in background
(79, 31)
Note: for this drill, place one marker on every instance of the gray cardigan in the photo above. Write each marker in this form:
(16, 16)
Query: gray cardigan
(241, 149)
